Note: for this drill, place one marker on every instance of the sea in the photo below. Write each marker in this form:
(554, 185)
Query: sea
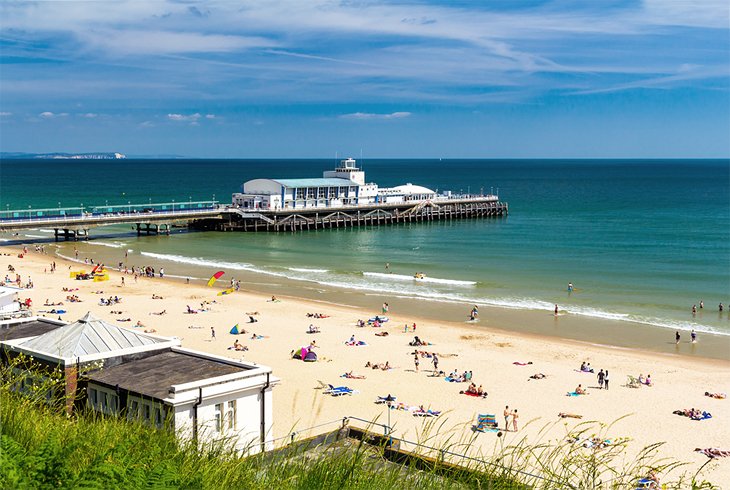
(642, 241)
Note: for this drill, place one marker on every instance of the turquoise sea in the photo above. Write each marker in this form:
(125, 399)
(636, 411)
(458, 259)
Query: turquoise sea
(641, 240)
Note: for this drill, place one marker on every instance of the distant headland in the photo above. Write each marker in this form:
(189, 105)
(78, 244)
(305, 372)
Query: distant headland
(65, 156)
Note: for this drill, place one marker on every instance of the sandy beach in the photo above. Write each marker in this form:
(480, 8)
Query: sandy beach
(490, 353)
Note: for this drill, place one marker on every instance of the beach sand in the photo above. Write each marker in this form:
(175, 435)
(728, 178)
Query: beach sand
(644, 414)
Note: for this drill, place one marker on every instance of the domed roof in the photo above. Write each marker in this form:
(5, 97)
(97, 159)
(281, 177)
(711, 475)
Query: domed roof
(412, 189)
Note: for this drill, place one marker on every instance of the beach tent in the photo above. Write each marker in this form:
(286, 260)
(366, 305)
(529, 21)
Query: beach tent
(311, 356)
(235, 330)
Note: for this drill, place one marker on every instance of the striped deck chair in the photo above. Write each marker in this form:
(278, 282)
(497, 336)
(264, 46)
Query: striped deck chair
(485, 421)
(632, 382)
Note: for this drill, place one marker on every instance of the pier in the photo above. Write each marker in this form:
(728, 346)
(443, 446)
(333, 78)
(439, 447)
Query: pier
(159, 218)
(453, 208)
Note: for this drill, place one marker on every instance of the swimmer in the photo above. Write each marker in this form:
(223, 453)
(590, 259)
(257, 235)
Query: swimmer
(570, 287)
(694, 336)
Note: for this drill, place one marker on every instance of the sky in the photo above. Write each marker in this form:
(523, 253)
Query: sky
(409, 79)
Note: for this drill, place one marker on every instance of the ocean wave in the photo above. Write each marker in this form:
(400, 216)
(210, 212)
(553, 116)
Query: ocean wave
(108, 244)
(392, 285)
(304, 269)
(434, 280)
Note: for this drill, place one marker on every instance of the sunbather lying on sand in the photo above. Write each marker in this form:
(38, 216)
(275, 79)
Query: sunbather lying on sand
(381, 334)
(159, 313)
(238, 346)
(384, 367)
(719, 396)
(713, 452)
(253, 313)
(350, 375)
(149, 330)
(537, 376)
(564, 415)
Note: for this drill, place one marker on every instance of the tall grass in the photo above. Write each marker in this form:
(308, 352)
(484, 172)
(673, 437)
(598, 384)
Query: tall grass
(43, 448)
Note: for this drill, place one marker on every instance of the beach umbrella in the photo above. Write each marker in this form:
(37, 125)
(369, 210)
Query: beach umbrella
(215, 277)
(234, 330)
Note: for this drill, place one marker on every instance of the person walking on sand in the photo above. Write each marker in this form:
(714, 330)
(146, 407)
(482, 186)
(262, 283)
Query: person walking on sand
(506, 417)
(677, 336)
(212, 333)
(605, 379)
(122, 281)
(416, 361)
(514, 420)
(556, 310)
(601, 376)
(435, 361)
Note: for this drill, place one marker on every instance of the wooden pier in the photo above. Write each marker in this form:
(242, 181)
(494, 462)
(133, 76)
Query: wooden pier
(290, 220)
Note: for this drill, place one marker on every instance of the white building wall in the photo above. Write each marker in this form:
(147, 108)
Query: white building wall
(262, 186)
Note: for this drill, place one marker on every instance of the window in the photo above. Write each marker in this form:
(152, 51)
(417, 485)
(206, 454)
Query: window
(311, 192)
(133, 411)
(158, 417)
(322, 192)
(231, 416)
(105, 402)
(146, 412)
(93, 397)
(219, 417)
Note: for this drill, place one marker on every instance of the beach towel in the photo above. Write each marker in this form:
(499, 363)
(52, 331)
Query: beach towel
(572, 393)
(356, 344)
(426, 413)
(475, 395)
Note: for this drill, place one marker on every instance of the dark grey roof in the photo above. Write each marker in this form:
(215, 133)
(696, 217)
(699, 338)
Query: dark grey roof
(22, 330)
(154, 375)
(87, 336)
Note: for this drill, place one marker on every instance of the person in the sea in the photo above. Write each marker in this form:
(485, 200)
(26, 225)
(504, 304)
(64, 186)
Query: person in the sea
(694, 336)
(677, 336)
(556, 310)
(570, 287)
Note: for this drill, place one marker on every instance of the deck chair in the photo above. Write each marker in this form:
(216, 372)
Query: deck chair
(632, 382)
(338, 390)
(484, 422)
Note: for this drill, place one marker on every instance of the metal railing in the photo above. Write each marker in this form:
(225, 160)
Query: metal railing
(388, 431)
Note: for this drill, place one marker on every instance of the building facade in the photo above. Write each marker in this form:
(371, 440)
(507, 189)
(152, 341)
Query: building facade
(341, 187)
(149, 378)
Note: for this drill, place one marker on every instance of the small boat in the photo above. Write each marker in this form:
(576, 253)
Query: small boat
(419, 275)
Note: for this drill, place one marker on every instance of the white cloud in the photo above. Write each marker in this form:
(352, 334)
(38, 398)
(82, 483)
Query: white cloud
(210, 116)
(6, 114)
(184, 117)
(371, 115)
(52, 115)
(89, 115)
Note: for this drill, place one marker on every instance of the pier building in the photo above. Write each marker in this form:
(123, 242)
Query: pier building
(343, 186)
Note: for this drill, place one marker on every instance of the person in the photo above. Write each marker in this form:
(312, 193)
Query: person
(385, 308)
(352, 339)
(312, 345)
(556, 310)
(162, 272)
(719, 307)
(605, 379)
(647, 381)
(580, 390)
(514, 420)
(387, 267)
(122, 281)
(641, 379)
(416, 361)
(694, 336)
(212, 333)
(677, 336)
(506, 417)
(570, 287)
(694, 310)
(435, 361)
(600, 379)
(702, 304)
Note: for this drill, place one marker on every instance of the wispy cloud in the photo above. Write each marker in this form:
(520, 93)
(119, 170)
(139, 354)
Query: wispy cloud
(371, 115)
(52, 115)
(5, 114)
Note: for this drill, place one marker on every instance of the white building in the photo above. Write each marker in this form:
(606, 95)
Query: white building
(9, 304)
(343, 186)
(151, 378)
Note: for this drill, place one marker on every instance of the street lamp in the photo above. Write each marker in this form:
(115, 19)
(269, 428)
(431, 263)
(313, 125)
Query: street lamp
(389, 403)
(173, 205)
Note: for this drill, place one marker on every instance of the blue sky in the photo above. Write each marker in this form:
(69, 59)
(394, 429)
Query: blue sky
(498, 79)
